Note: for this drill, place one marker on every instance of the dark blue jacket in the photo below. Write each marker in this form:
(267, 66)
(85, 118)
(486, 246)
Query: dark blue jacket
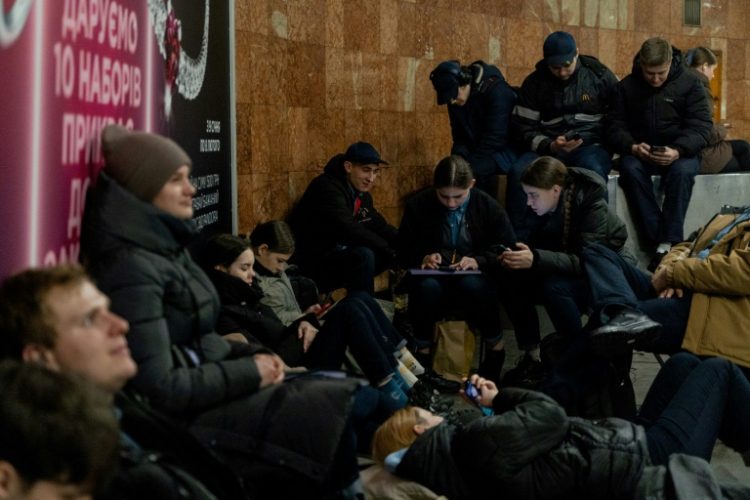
(480, 127)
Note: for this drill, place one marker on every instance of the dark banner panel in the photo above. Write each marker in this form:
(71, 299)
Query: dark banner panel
(73, 66)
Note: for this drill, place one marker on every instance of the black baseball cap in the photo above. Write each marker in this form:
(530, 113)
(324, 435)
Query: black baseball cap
(363, 153)
(445, 80)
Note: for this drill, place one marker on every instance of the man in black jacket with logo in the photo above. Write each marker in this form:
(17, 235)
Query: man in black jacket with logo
(560, 112)
(480, 102)
(342, 240)
(659, 123)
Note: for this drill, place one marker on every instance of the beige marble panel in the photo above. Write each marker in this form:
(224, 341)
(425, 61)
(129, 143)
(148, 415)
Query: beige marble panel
(244, 138)
(407, 139)
(299, 140)
(278, 18)
(470, 38)
(625, 14)
(628, 44)
(643, 14)
(425, 98)
(268, 70)
(307, 21)
(516, 74)
(524, 41)
(530, 10)
(245, 212)
(339, 81)
(243, 65)
(735, 100)
(372, 132)
(588, 41)
(437, 33)
(334, 24)
(306, 84)
(496, 43)
(389, 26)
(353, 130)
(372, 89)
(362, 25)
(270, 197)
(268, 125)
(385, 192)
(715, 17)
(388, 136)
(739, 15)
(409, 41)
(406, 84)
(608, 12)
(735, 60)
(608, 48)
(661, 17)
(590, 13)
(252, 16)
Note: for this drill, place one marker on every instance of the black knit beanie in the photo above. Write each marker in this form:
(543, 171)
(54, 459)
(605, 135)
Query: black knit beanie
(141, 162)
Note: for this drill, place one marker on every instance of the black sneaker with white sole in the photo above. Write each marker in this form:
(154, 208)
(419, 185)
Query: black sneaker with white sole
(627, 329)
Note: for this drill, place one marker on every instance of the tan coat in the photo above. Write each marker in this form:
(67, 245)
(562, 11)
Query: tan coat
(719, 321)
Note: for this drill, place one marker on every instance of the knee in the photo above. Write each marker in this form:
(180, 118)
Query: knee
(684, 359)
(594, 249)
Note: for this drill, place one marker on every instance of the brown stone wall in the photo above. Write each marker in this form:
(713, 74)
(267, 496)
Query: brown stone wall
(316, 75)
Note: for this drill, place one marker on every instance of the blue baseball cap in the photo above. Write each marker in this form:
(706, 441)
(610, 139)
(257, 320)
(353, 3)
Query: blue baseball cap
(559, 49)
(363, 153)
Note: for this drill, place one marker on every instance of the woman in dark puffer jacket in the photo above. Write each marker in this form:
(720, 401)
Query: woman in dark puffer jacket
(285, 439)
(531, 449)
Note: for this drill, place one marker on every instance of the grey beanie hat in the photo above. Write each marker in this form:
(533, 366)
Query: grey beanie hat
(139, 161)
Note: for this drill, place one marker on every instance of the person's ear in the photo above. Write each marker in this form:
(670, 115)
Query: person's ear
(9, 480)
(221, 268)
(472, 183)
(35, 353)
(262, 249)
(419, 429)
(348, 166)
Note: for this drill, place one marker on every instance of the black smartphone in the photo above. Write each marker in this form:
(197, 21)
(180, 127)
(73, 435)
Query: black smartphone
(472, 392)
(572, 136)
(658, 149)
(499, 248)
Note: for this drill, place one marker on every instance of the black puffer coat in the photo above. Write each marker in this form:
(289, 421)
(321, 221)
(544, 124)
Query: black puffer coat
(549, 107)
(480, 128)
(676, 114)
(589, 220)
(421, 230)
(136, 253)
(531, 449)
(323, 219)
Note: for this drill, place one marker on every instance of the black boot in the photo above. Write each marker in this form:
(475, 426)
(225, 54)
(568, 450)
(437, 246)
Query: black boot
(492, 365)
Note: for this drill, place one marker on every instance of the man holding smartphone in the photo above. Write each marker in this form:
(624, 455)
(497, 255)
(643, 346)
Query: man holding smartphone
(560, 112)
(659, 123)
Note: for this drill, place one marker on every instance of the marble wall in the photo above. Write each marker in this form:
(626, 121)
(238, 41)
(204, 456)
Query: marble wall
(316, 75)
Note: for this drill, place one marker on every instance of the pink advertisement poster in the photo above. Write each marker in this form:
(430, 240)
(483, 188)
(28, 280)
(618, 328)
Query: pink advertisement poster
(70, 67)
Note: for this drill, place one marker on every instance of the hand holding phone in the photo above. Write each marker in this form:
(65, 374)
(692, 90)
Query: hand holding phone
(499, 248)
(472, 392)
(658, 149)
(572, 136)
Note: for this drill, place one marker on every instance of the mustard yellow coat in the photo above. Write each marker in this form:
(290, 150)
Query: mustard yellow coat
(719, 321)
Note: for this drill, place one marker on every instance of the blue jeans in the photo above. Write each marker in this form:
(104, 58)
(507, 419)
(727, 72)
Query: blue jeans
(592, 157)
(614, 281)
(660, 224)
(379, 322)
(691, 403)
(472, 297)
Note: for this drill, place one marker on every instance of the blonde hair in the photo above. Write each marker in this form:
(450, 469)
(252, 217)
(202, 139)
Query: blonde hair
(395, 433)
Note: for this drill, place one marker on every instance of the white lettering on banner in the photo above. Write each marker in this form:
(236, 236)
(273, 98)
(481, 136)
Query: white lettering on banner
(108, 82)
(78, 190)
(81, 133)
(210, 145)
(117, 24)
(64, 70)
(67, 254)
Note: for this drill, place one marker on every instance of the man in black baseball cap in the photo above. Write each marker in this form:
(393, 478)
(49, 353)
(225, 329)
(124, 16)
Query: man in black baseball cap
(480, 103)
(342, 240)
